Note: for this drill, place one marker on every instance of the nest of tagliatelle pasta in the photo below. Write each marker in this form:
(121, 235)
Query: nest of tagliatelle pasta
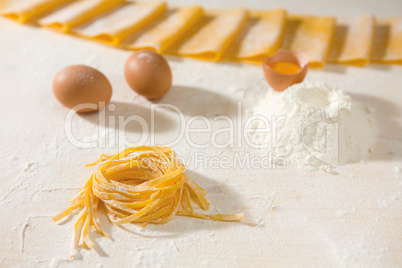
(142, 185)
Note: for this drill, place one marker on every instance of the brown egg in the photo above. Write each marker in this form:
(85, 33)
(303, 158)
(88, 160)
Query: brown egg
(80, 84)
(148, 74)
(285, 68)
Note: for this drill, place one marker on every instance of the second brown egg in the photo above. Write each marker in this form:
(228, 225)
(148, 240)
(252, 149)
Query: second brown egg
(148, 74)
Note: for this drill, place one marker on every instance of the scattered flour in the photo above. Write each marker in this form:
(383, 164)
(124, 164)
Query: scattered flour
(397, 169)
(341, 213)
(314, 126)
(144, 55)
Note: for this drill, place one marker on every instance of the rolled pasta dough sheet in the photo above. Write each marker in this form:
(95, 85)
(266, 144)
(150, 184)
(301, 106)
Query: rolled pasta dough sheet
(262, 36)
(119, 23)
(353, 39)
(167, 31)
(388, 41)
(210, 38)
(311, 35)
(24, 11)
(77, 13)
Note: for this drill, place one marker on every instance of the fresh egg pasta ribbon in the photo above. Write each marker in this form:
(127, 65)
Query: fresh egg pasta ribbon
(261, 36)
(311, 35)
(162, 34)
(118, 24)
(238, 34)
(26, 11)
(142, 185)
(210, 38)
(77, 13)
(388, 41)
(353, 39)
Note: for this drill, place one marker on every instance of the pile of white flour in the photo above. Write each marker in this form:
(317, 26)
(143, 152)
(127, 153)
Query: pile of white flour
(314, 126)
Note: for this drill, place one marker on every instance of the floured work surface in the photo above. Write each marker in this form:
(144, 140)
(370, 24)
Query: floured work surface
(303, 219)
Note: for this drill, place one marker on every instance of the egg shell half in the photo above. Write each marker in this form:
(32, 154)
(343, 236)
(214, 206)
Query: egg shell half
(278, 81)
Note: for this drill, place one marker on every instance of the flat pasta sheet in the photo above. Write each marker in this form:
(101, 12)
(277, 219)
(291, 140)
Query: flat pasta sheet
(388, 41)
(77, 13)
(24, 11)
(311, 35)
(262, 36)
(166, 31)
(210, 38)
(353, 40)
(238, 34)
(121, 22)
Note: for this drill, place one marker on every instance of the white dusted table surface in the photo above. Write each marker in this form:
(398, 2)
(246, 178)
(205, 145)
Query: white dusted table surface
(352, 218)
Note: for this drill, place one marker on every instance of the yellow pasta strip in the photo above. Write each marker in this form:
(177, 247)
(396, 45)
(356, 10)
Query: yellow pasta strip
(388, 41)
(133, 217)
(172, 212)
(198, 192)
(122, 167)
(77, 13)
(129, 206)
(88, 241)
(153, 218)
(131, 174)
(353, 39)
(25, 11)
(84, 233)
(113, 213)
(101, 158)
(186, 206)
(217, 217)
(311, 35)
(68, 211)
(77, 232)
(118, 24)
(165, 32)
(212, 35)
(261, 36)
(154, 198)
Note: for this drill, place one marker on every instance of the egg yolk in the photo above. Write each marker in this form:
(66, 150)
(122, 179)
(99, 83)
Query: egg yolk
(285, 67)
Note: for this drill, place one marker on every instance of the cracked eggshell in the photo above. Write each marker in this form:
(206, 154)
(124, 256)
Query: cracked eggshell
(278, 81)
